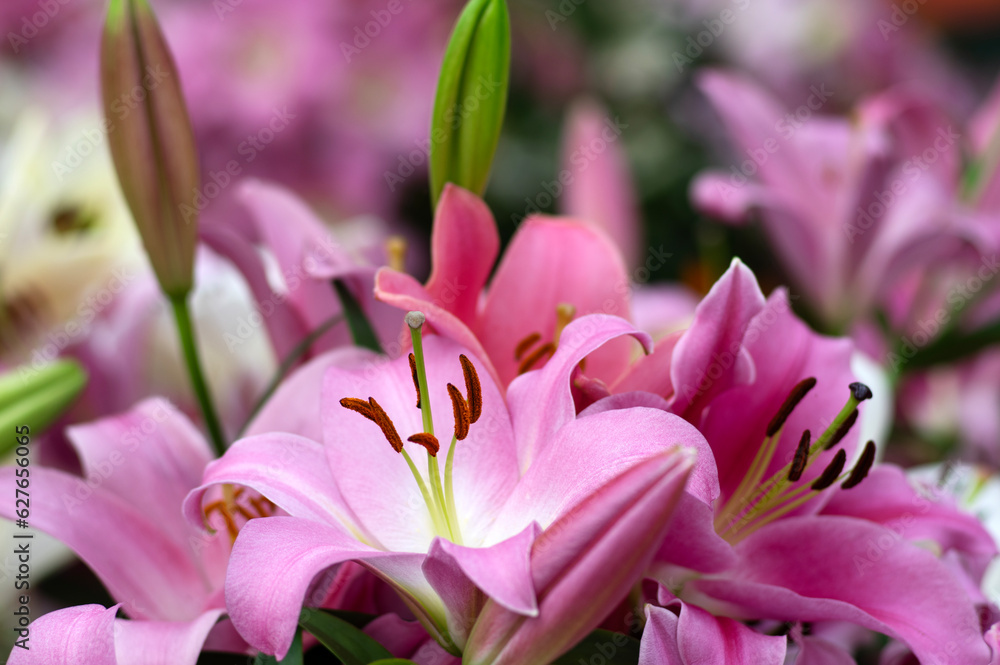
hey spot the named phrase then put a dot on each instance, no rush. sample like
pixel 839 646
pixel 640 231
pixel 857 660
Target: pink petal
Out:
pixel 304 249
pixel 463 575
pixel 695 637
pixel 784 351
pixel 140 563
pixel 162 642
pixel 585 563
pixel 586 454
pixel 291 471
pixel 709 357
pixel 817 651
pixel 886 497
pixel 284 325
pixel 542 401
pixel 845 569
pixel 405 293
pixel 464 245
pixel 375 480
pixel 599 191
pixel 275 562
pixel 82 634
pixel 692 543
pixel 549 262
pixel 149 457
pixel 295 406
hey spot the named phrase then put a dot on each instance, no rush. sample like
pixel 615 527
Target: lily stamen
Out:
pixel 756 503
pixel 228 508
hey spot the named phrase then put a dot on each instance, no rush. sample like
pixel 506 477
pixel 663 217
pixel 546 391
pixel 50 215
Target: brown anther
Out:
pixel 801 457
pixel 862 468
pixel 461 411
pixel 416 381
pixel 842 431
pixel 832 472
pixel 794 397
pixel 358 405
pixel 473 389
pixel 536 355
pixel 381 419
pixel 428 441
pixel 525 344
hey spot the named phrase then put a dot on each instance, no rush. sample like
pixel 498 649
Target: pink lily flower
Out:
pixel 554 270
pixel 500 563
pixel 851 207
pixel 300 298
pixel 782 539
pixel 122 519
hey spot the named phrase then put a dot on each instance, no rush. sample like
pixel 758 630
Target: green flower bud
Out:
pixel 471 98
pixel 37 397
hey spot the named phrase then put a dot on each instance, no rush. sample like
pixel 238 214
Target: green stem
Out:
pixel 449 492
pixel 286 366
pixel 185 329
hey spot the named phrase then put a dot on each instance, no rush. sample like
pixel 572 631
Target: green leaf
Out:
pixel 346 642
pixel 613 649
pixel 392 661
pixel 471 98
pixel 36 397
pixel 361 330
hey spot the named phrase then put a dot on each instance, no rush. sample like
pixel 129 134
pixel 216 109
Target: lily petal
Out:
pixel 82 634
pixel 295 406
pixel 543 400
pixel 549 262
pixel 886 497
pixel 162 642
pixel 464 245
pixel 577 585
pixel 138 562
pixel 150 457
pixel 461 575
pixel 291 471
pixel 688 635
pixel 840 568
pixel 276 560
pixel 715 339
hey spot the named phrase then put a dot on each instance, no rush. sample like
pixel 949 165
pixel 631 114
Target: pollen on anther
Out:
pixel 800 390
pixel 416 381
pixel 381 419
pixel 473 389
pixel 461 411
pixel 842 431
pixel 862 468
pixel 832 472
pixel 801 457
pixel 428 441
pixel 360 406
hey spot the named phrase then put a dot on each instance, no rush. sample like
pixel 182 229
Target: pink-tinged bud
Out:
pixel 151 141
pixel 624 523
